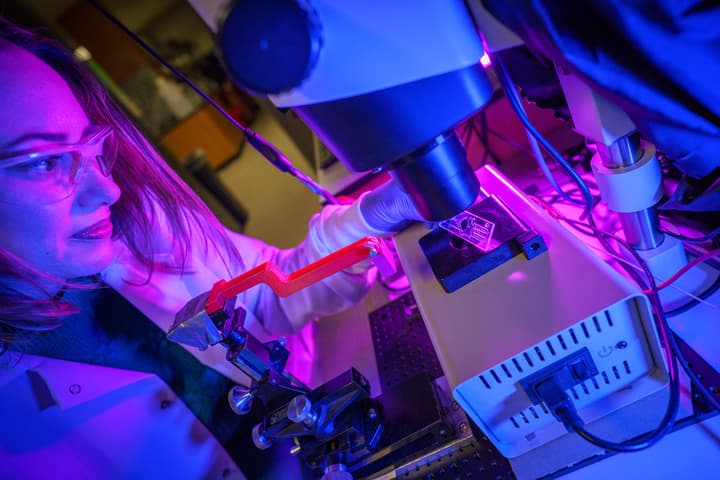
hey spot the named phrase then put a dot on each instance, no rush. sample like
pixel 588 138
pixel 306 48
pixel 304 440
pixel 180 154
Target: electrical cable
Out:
pixel 704 295
pixel 671 353
pixel 657 307
pixel 271 153
pixel 707 293
pixel 516 104
pixel 510 141
pixel 685 268
pixel 537 153
pixel 668 340
pixel 705 238
pixel 485 139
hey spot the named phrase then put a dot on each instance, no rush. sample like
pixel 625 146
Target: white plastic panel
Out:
pixel 618 343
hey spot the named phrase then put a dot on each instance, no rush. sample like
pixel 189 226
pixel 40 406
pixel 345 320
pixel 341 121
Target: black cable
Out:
pixel 485 139
pixel 671 351
pixel 670 344
pixel 650 438
pixel 660 315
pixel 261 145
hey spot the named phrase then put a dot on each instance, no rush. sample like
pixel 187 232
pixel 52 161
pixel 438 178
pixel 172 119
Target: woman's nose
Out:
pixel 94 188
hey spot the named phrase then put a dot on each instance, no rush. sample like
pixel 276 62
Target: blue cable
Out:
pixel 516 104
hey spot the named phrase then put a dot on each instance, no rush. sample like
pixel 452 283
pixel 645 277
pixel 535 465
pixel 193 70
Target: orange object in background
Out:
pixel 208 130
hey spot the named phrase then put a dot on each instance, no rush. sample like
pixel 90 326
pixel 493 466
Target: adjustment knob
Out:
pixel 259 439
pixel 240 400
pixel 300 410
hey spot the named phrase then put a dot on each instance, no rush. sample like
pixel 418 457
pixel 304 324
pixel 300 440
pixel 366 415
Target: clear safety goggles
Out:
pixel 51 172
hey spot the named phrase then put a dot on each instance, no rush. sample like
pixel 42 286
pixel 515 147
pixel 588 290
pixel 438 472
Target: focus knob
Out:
pixel 270 46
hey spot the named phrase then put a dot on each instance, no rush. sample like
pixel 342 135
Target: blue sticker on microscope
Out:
pixel 475 230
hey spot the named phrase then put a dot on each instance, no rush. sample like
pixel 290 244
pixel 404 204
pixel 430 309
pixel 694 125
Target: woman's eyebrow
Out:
pixel 54 137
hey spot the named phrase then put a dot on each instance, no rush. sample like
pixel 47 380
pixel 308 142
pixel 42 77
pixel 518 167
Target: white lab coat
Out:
pixel 61 419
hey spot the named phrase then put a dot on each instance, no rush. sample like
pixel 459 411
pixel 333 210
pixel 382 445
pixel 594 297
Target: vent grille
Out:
pixel 550 349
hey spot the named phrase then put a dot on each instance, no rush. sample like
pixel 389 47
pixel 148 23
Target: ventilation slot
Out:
pixel 495 376
pixel 561 341
pixel 574 394
pixel 485 382
pixel 529 416
pixel 585 330
pixel 506 370
pixel 539 354
pixel 550 347
pixel 517 365
pixel 607 379
pixel 527 359
pixel 608 318
pixel 597 324
pixel 573 336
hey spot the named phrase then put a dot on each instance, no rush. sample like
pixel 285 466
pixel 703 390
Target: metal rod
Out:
pixel 641 228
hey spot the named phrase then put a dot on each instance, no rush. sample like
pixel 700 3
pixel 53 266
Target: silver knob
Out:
pixel 240 400
pixel 300 410
pixel 259 439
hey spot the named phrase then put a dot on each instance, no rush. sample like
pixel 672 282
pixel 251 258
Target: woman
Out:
pixel 85 201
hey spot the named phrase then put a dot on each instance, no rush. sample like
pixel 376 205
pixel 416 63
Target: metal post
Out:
pixel 641 228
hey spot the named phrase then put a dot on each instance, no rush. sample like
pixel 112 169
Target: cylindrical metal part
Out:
pixel 240 400
pixel 641 229
pixel 624 152
pixel 259 439
pixel 438 178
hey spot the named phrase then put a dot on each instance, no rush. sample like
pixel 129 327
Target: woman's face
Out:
pixel 69 237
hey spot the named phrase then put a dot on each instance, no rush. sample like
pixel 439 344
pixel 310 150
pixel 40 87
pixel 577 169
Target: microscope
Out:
pixel 538 339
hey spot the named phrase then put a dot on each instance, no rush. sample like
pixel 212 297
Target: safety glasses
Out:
pixel 51 172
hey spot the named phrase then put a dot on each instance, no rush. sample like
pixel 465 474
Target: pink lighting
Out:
pixel 485 60
pixel 517 276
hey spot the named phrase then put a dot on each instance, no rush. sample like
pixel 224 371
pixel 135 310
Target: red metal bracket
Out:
pixel 284 285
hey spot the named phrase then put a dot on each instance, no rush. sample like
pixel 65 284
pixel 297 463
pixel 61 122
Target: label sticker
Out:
pixel 473 229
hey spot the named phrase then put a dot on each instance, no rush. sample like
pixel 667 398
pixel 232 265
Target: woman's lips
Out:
pixel 100 230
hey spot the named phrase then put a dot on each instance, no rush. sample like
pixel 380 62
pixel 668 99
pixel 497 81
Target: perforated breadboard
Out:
pixel 402 345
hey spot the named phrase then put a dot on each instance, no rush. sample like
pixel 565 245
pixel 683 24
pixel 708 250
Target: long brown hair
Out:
pixel 144 178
